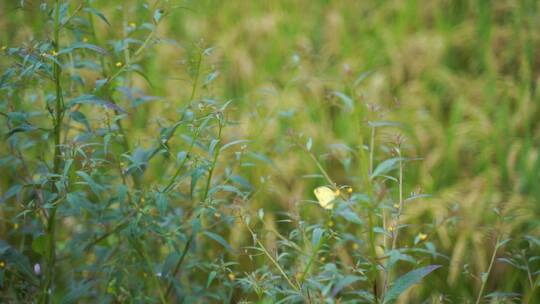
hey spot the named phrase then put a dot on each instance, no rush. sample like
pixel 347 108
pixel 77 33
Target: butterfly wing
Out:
pixel 325 196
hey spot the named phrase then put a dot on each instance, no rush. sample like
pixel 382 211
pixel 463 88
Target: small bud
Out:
pixel 132 24
pixel 85 39
pixel 37 269
pixel 349 190
pixel 355 246
pixel 338 192
pixel 322 259
pixel 4 48
pixel 54 53
pixel 2 264
pixel 15 226
pixel 422 236
pixel 396 206
pixel 231 276
pixel 118 64
pixel 331 224
pixel 391 228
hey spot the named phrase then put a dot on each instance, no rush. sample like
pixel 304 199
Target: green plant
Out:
pixel 118 221
pixel 167 151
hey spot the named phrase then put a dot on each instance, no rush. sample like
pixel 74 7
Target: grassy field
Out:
pixel 168 151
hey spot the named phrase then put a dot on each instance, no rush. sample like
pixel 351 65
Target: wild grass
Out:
pixel 167 151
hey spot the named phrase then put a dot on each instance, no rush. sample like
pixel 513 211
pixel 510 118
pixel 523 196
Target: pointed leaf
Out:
pixel 406 281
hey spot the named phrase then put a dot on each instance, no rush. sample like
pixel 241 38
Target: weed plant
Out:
pixel 143 164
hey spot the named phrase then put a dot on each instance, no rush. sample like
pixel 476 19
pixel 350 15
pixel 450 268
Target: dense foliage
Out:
pixel 168 151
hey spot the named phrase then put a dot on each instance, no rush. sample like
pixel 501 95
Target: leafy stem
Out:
pixel 57 130
pixel 204 197
pixel 485 275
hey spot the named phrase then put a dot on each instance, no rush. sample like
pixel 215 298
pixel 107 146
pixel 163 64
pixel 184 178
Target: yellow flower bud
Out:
pixel 118 64
pixel 2 264
pixel 422 236
pixel 231 276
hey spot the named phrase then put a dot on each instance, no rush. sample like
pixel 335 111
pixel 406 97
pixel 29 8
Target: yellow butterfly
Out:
pixel 326 196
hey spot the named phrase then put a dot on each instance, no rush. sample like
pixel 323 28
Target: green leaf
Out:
pixel 344 282
pixel 378 124
pixel 384 167
pixel 211 277
pixel 347 101
pixel 80 45
pixel 80 118
pixel 406 281
pixel 162 202
pixel 21 128
pixel 316 237
pixel 351 216
pixel 93 99
pixel 96 188
pixel 77 291
pixel 40 244
pixel 93 11
pixel 232 143
pixel 16 261
pixel 219 239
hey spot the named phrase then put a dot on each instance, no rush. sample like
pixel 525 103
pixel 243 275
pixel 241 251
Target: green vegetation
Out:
pixel 168 151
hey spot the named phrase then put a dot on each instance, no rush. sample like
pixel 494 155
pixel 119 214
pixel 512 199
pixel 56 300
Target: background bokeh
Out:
pixel 461 76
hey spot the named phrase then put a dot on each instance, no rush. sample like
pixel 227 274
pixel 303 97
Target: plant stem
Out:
pixel 280 269
pixel 491 262
pixel 57 121
pixel 371 150
pixel 178 264
pixel 193 90
pixel 395 233
pixel 205 196
pixel 400 209
pixel 371 214
pixel 155 280
pixel 530 294
pixel 196 81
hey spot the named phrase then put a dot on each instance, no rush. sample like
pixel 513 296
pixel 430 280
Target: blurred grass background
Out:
pixel 461 75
